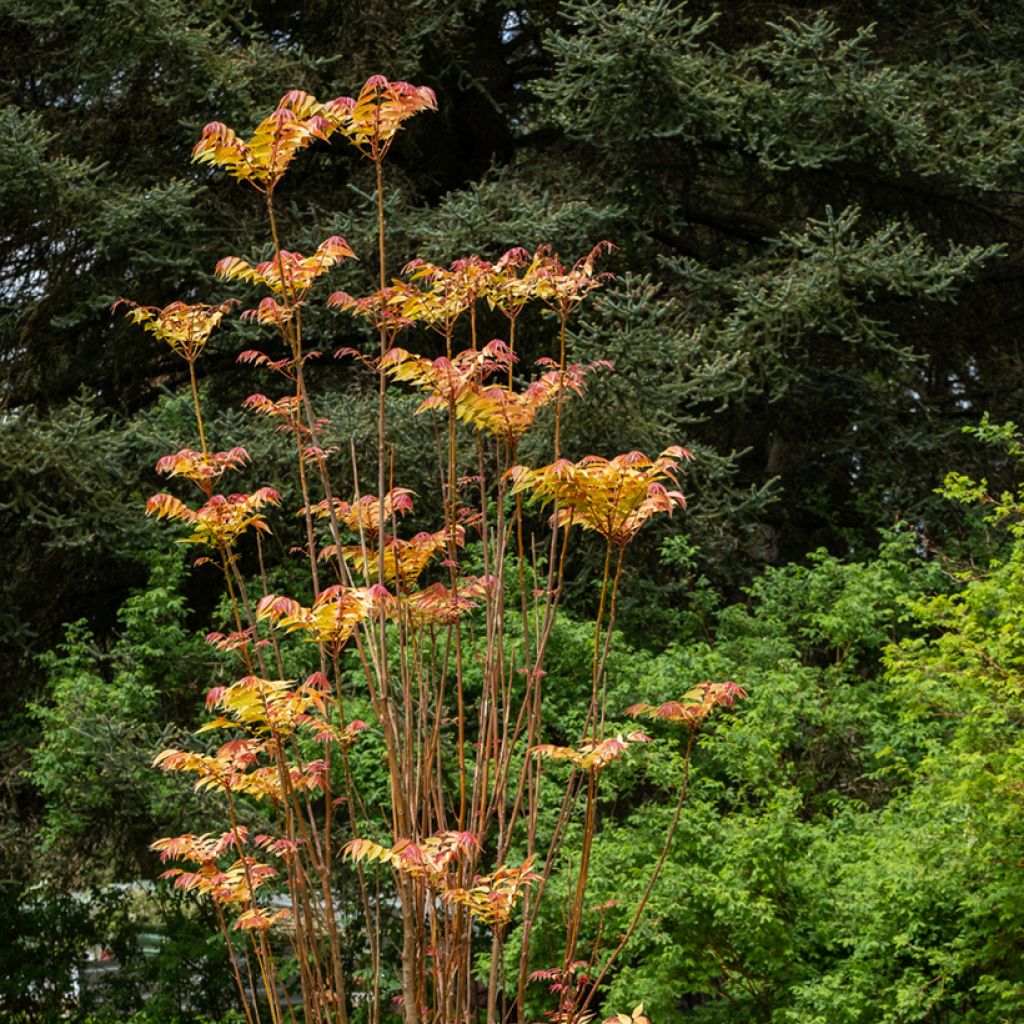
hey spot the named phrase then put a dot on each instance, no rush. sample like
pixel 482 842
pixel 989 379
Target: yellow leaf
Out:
pixel 216 723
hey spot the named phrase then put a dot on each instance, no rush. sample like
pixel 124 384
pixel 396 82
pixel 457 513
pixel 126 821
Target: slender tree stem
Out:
pixel 195 403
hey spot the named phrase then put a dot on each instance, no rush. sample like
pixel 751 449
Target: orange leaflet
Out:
pixel 695 705
pixel 507 285
pixel 270 705
pixel 233 886
pixel 233 768
pixel 290 275
pixel 545 277
pixel 333 616
pixel 365 513
pixel 429 859
pixel 222 520
pixel 491 898
pixel 450 292
pixel 196 466
pixel 186 329
pixel 371 120
pixel 199 849
pixel 636 1017
pixel 384 309
pixel 614 497
pixel 459 383
pixel 404 560
pixel 592 756
pixel 297 121
pixel 437 605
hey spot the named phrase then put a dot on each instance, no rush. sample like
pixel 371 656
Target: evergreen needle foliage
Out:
pixel 816 219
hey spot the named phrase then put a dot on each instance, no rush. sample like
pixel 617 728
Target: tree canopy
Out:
pixel 817 218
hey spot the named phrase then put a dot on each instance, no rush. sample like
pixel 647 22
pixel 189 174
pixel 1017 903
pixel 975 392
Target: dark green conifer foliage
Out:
pixel 819 220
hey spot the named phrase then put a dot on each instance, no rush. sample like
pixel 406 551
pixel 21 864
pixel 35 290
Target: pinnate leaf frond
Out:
pixel 614 497
pixel 298 120
pixel 371 120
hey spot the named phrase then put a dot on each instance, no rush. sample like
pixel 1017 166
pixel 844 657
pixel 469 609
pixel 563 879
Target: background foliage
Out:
pixel 818 219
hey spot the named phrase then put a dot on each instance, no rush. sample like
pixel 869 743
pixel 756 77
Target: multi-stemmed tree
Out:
pixel 448 630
